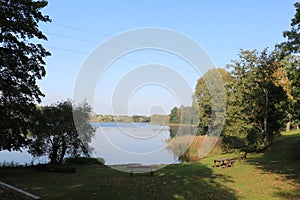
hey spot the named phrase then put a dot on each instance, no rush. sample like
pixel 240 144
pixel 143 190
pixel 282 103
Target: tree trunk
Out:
pixel 53 155
pixel 265 131
pixel 288 127
pixel 63 152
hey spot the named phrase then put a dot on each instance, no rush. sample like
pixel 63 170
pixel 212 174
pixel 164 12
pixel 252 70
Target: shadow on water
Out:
pixel 282 158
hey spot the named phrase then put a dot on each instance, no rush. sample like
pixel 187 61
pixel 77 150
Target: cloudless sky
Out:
pixel 222 28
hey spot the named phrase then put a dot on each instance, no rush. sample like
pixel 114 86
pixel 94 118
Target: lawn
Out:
pixel 273 174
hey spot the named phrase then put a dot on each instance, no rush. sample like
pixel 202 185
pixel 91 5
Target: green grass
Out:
pixel 273 174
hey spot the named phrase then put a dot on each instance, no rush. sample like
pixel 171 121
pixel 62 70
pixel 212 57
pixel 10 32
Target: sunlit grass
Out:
pixel 292 132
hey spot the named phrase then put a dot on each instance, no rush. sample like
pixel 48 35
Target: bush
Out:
pixel 84 161
pixel 232 142
pixel 254 141
pixel 56 168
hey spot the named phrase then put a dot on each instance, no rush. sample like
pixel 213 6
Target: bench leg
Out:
pixel 224 164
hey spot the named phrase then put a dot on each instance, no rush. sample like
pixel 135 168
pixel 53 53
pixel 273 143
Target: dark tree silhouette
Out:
pixel 21 64
pixel 57 133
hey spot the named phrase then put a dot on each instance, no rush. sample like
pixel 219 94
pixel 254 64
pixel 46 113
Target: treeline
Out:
pixel 153 119
pixel 184 115
pixel 120 118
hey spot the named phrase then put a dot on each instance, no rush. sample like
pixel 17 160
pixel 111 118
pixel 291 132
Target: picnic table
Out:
pixel 224 162
pixel 141 169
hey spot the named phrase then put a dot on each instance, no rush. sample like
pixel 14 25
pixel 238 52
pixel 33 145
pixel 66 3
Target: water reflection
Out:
pixel 176 131
pixel 123 143
pixel 132 143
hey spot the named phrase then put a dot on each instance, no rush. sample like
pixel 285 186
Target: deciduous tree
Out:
pixel 57 133
pixel 292 45
pixel 210 94
pixel 21 64
pixel 258 90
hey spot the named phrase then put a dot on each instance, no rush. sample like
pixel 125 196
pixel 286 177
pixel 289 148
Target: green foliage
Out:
pixel 254 140
pixel 141 118
pixel 289 51
pixel 182 130
pixel 230 142
pixel 210 95
pixel 187 115
pixel 175 115
pixel 21 64
pixel 256 95
pixel 292 45
pixel 292 103
pixel 158 119
pixel 61 130
pixel 122 118
pixel 102 118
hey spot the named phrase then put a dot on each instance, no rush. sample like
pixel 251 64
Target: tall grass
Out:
pixel 11 164
pixel 193 148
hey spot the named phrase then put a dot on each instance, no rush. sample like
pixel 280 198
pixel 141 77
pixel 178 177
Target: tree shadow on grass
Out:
pixel 282 158
pixel 193 181
pixel 184 181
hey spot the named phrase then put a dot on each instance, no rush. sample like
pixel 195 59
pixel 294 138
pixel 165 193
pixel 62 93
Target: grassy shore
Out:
pixel 274 174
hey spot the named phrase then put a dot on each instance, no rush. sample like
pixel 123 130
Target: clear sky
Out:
pixel 222 28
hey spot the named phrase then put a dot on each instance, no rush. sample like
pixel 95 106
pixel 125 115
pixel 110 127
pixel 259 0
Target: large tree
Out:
pixel 257 93
pixel 210 95
pixel 21 64
pixel 290 50
pixel 60 130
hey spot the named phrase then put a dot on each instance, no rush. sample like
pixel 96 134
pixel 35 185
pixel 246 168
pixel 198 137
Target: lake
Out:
pixel 119 143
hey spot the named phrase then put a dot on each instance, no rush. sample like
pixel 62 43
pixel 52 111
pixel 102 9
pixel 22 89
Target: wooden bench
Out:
pixel 220 161
pixel 140 169
pixel 230 162
pixel 224 162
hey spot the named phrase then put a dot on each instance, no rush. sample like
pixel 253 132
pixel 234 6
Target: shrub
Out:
pixel 84 161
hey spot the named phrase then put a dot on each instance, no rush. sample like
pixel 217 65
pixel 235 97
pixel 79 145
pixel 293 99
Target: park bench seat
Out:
pixel 224 162
pixel 140 169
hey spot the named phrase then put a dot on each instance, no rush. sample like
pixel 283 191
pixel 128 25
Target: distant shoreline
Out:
pixel 165 124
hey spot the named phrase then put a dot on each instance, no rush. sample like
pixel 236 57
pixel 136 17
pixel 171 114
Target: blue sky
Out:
pixel 222 28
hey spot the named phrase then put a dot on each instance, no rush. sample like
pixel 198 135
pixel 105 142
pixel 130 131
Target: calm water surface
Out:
pixel 119 143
